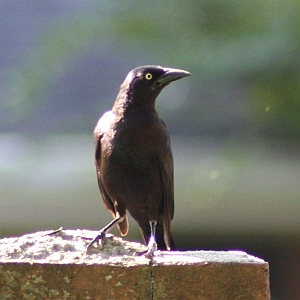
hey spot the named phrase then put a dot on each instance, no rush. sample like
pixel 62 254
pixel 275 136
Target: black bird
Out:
pixel 134 160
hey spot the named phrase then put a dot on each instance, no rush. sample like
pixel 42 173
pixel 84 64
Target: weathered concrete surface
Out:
pixel 42 266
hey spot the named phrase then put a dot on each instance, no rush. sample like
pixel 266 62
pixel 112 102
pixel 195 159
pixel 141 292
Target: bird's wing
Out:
pixel 167 175
pixel 101 127
pixel 166 169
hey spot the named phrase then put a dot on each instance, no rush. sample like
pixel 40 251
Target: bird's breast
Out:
pixel 132 152
pixel 134 142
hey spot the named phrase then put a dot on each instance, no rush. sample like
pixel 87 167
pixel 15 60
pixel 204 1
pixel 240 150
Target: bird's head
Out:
pixel 143 84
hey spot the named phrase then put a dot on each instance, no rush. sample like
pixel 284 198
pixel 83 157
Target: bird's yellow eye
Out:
pixel 148 76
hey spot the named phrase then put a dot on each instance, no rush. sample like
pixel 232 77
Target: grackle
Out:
pixel 134 160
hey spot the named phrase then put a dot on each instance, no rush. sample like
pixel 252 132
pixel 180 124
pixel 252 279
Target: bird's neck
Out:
pixel 130 101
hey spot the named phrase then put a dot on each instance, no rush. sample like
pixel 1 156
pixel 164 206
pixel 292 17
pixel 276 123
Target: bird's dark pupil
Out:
pixel 148 76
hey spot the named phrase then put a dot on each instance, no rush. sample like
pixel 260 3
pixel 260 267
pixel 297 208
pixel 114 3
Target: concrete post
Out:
pixel 43 266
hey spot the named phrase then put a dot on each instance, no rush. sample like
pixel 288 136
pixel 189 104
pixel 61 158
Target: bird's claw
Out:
pixel 152 246
pixel 55 231
pixel 99 239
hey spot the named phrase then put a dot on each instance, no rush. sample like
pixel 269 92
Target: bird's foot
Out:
pixel 152 246
pixel 99 239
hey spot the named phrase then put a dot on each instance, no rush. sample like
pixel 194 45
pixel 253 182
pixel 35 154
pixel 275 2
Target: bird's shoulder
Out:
pixel 105 123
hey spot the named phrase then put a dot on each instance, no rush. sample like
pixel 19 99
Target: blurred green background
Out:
pixel 234 123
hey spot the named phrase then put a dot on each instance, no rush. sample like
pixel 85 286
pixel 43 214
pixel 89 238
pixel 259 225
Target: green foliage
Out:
pixel 250 41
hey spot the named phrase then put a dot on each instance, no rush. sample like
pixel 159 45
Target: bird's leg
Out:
pixel 100 237
pixel 152 245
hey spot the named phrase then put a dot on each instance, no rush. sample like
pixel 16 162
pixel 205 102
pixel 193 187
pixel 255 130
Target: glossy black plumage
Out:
pixel 134 160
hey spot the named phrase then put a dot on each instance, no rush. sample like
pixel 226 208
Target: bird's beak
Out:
pixel 171 75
